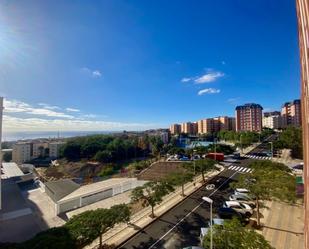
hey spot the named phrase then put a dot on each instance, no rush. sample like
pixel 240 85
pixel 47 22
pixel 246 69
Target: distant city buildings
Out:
pixel 175 129
pixel 26 151
pixel 249 117
pixel 291 113
pixel 204 126
pixel 272 120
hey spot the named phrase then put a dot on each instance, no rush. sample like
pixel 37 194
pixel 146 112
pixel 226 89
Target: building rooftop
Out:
pixel 10 170
pixel 61 188
pixel 249 105
pixel 95 187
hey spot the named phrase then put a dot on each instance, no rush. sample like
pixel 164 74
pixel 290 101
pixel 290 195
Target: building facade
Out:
pixel 54 149
pixel 291 113
pixel 249 117
pixel 22 152
pixel 175 129
pixel 272 120
pixel 303 33
pixel 189 128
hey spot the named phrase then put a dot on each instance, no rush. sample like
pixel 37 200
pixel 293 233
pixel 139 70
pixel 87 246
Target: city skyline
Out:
pixel 89 70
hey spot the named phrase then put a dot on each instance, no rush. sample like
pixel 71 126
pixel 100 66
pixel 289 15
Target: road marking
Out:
pixel 237 168
pixel 188 214
pixel 243 169
pixel 233 167
pixel 247 170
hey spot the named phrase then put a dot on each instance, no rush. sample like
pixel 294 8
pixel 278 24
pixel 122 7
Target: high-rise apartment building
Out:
pixel 210 125
pixel 291 113
pixel 272 120
pixel 189 128
pixel 175 129
pixel 303 33
pixel 249 117
pixel 54 148
pixel 22 152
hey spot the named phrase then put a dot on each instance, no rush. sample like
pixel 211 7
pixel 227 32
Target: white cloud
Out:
pixel 93 73
pixel 233 100
pixel 21 116
pixel 208 77
pixel 47 106
pixel 208 91
pixel 96 74
pixel 15 106
pixel 186 79
pixel 13 124
pixel 69 109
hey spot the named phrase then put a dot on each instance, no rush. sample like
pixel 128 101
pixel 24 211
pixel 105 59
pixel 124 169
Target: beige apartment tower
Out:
pixel 291 113
pixel 175 129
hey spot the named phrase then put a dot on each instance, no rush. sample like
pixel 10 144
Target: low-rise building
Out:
pixel 68 195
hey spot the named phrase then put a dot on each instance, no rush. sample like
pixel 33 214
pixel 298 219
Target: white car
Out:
pixel 243 198
pixel 241 191
pixel 242 208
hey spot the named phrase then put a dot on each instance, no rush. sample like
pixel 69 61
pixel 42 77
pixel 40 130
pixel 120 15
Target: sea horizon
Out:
pixel 25 135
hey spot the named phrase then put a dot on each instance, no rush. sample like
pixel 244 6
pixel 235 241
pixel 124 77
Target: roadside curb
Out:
pixel 118 242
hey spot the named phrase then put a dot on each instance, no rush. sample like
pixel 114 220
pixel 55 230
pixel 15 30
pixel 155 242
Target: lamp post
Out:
pixel 210 201
pixel 241 143
pixel 272 149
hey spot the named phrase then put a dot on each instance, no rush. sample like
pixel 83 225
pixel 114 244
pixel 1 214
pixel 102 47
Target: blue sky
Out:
pixel 114 65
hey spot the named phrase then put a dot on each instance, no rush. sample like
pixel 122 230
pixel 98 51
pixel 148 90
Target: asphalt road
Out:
pixel 265 146
pixel 180 226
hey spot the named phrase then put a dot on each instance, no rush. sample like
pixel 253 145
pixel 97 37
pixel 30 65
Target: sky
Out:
pixel 136 64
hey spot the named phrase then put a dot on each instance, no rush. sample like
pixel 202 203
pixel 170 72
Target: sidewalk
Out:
pixel 283 225
pixel 122 232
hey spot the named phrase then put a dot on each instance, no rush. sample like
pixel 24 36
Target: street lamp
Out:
pixel 210 201
pixel 241 143
pixel 272 149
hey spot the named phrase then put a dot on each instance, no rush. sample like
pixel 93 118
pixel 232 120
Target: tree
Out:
pixel 204 165
pixel 151 194
pixel 103 156
pixel 232 235
pixel 87 226
pixel 7 157
pixel 291 138
pixel 71 150
pixel 268 181
pixel 180 178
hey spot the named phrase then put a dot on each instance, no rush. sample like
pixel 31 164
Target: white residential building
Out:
pixel 22 152
pixel 54 148
pixel 272 122
pixel 39 149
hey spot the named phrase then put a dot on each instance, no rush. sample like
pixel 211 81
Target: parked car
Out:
pixel 241 191
pixel 243 198
pixel 229 213
pixel 242 208
pixel 204 230
pixel 184 158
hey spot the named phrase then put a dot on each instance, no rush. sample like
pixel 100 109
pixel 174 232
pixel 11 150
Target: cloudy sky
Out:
pixel 114 65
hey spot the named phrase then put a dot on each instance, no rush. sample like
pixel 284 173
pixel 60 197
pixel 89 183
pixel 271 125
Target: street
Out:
pixel 180 226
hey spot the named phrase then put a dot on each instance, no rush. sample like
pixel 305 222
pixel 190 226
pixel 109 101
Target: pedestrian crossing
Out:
pixel 240 169
pixel 258 157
